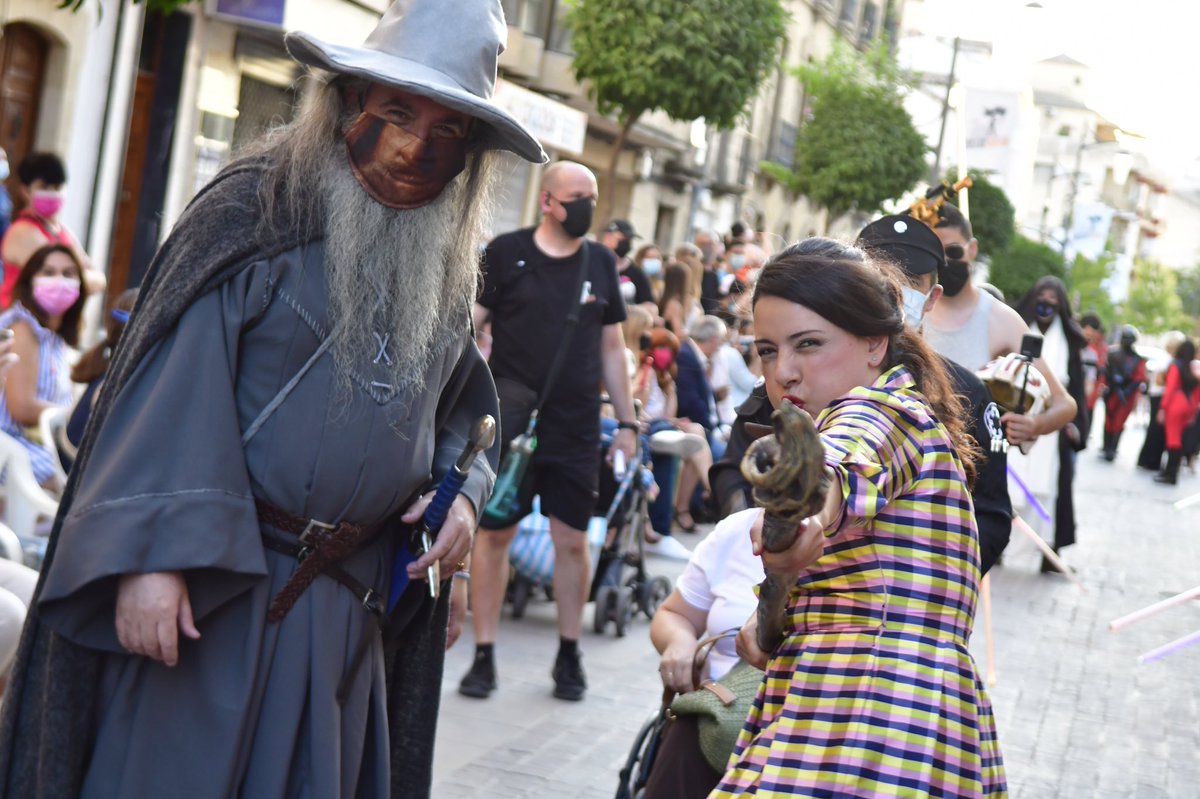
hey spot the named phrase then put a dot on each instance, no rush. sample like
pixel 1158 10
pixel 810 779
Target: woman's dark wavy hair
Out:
pixel 1185 353
pixel 68 330
pixel 863 297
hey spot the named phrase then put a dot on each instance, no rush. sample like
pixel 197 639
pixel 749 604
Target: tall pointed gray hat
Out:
pixel 446 51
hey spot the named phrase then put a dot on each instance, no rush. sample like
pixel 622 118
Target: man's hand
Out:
pixel 458 611
pixel 151 610
pixel 1020 427
pixel 676 666
pixel 747 645
pixel 806 550
pixel 453 540
pixel 626 441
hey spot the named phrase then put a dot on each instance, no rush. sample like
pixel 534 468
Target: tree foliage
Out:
pixel 687 58
pixel 1154 305
pixel 1189 291
pixel 993 219
pixel 859 147
pixel 1086 281
pixel 1016 269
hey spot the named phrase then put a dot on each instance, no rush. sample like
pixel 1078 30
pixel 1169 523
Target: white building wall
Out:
pixel 71 111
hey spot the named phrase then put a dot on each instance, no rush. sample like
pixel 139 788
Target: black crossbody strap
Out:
pixel 564 341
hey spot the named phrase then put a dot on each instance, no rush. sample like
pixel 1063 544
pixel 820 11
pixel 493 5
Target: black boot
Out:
pixel 1170 473
pixel 570 682
pixel 1110 447
pixel 480 681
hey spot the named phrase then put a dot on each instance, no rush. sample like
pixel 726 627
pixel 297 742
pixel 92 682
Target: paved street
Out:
pixel 1078 716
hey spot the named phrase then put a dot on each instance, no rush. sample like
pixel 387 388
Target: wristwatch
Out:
pixel 634 426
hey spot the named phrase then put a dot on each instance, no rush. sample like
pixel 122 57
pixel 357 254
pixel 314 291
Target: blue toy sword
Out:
pixel 482 436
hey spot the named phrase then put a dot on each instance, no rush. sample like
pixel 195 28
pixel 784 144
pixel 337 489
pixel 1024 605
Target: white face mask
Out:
pixel 652 266
pixel 914 306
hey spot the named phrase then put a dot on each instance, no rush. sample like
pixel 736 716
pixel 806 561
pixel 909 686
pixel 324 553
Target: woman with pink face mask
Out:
pixel 45 316
pixel 42 178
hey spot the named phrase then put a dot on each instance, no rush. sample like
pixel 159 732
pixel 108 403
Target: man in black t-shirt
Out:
pixel 618 236
pixel 530 280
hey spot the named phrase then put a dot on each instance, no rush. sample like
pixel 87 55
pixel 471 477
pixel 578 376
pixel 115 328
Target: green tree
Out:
pixel 993 219
pixel 859 147
pixel 1154 305
pixel 1189 290
pixel 1086 279
pixel 1016 269
pixel 688 58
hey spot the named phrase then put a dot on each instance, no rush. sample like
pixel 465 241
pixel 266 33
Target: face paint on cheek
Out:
pixel 398 169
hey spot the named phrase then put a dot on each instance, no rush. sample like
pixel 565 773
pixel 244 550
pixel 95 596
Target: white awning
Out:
pixel 557 126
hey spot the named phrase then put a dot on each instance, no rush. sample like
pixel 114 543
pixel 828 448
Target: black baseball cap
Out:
pixel 623 227
pixel 906 240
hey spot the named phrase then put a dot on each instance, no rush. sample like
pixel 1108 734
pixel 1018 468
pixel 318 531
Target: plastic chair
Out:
pixel 53 426
pixel 24 500
pixel 10 545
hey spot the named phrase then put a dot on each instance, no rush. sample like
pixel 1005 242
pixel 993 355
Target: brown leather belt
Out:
pixel 320 546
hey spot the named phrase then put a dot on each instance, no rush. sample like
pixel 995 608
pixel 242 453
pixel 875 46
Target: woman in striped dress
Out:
pixel 44 318
pixel 872 692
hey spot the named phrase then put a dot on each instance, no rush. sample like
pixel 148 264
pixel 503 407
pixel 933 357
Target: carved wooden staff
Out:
pixel 787 473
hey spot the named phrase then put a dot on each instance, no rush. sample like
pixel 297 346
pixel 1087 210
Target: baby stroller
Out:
pixel 532 557
pixel 620 585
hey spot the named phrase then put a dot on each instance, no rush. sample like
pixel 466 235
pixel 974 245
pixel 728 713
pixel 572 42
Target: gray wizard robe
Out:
pixel 251 708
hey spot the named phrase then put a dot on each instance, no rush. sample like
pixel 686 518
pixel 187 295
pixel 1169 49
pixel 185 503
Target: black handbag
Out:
pixel 519 409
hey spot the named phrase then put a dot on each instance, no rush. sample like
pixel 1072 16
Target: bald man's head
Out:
pixel 568 197
pixel 566 173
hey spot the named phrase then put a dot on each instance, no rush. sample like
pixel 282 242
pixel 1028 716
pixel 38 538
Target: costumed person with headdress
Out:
pixel 1048 469
pixel 298 369
pixel 1124 382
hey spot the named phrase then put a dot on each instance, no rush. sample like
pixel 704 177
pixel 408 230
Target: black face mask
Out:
pixel 1045 311
pixel 623 248
pixel 954 276
pixel 579 216
pixel 644 342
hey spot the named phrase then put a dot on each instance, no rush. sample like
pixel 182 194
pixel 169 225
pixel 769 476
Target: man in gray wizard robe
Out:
pixel 300 360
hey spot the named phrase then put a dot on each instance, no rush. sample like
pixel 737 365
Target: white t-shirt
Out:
pixel 720 579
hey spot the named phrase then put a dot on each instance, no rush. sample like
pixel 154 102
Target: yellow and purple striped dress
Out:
pixel 873 692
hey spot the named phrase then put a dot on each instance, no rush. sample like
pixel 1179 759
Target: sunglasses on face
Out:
pixel 955 252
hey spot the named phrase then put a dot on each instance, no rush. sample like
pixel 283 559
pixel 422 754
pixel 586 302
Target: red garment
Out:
pixel 12 271
pixel 1178 408
pixel 1116 410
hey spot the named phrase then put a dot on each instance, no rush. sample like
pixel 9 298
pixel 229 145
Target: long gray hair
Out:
pixel 404 277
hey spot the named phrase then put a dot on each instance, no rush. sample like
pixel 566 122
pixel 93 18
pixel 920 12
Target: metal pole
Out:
pixel 1069 222
pixel 935 175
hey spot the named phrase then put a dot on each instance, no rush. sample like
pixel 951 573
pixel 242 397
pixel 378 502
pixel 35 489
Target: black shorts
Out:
pixel 567 491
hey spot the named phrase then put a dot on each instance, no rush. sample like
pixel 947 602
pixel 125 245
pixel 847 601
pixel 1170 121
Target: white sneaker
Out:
pixel 669 547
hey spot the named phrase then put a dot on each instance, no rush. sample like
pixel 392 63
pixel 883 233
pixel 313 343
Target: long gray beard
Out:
pixel 401 278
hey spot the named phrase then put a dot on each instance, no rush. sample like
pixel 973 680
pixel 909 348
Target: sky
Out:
pixel 1144 58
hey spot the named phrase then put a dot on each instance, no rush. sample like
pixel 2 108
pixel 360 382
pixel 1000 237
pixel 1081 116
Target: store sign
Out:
pixel 263 13
pixel 558 127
